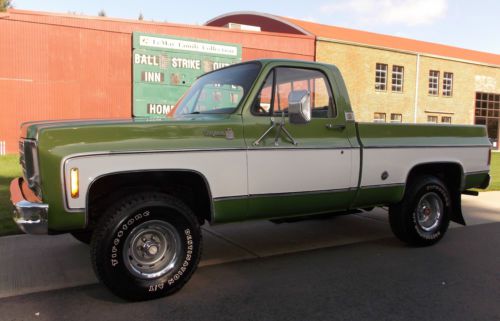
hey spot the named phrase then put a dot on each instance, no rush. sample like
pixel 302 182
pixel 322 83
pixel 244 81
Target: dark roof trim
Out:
pixel 278 20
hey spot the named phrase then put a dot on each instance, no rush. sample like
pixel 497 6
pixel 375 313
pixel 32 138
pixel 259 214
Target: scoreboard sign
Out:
pixel 164 67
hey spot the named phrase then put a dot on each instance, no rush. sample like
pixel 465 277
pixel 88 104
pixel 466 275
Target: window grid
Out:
pixel 448 84
pixel 397 78
pixel 432 119
pixel 379 118
pixel 381 77
pixel 433 82
pixel 487 105
pixel 446 119
pixel 396 118
pixel 488 113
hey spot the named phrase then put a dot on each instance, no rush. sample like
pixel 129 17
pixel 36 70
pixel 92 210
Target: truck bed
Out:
pixel 389 152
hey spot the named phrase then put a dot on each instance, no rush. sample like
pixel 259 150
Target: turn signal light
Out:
pixel 74 182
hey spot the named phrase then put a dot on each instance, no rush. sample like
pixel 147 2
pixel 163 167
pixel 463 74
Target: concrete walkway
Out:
pixel 39 263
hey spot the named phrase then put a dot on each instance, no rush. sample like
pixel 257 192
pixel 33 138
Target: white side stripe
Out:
pixel 226 171
pixel 399 161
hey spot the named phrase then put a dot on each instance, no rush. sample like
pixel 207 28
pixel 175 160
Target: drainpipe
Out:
pixel 415 107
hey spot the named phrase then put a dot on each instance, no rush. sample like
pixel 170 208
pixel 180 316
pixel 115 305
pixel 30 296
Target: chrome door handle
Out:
pixel 332 126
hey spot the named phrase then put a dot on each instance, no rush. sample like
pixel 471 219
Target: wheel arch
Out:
pixel 451 173
pixel 190 186
pixel 438 169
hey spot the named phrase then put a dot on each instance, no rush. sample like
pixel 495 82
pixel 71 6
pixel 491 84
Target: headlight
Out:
pixel 74 182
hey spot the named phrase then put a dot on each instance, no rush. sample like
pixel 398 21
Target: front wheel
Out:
pixel 147 246
pixel 423 216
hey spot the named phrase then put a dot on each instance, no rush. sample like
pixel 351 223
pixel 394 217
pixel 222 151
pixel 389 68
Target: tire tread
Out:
pixel 400 214
pixel 120 210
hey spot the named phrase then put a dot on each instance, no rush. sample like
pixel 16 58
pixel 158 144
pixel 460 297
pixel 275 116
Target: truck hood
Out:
pixel 114 135
pixel 31 130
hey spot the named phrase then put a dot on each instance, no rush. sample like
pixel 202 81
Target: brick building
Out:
pixel 393 79
pixel 61 66
pixel 64 66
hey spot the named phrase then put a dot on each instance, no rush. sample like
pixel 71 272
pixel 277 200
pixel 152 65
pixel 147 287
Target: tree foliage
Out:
pixel 5 4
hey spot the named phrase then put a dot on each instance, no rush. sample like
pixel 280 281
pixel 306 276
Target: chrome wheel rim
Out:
pixel 152 249
pixel 429 211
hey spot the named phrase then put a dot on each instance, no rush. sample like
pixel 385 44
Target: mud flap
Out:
pixel 456 213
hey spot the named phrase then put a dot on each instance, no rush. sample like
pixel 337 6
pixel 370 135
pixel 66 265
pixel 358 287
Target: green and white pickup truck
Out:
pixel 267 139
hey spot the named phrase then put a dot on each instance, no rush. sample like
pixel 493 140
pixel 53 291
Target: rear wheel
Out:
pixel 147 246
pixel 423 216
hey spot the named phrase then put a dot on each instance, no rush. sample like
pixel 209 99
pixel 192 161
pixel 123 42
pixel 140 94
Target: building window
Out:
pixel 433 82
pixel 396 118
pixel 381 77
pixel 487 105
pixel 446 119
pixel 488 114
pixel 432 119
pixel 379 118
pixel 447 84
pixel 397 78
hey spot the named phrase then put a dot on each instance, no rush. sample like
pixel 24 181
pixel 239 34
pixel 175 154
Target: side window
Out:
pixel 273 97
pixel 323 103
pixel 262 104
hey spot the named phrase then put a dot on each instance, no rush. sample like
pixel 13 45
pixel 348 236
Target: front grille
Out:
pixel 28 158
pixel 22 158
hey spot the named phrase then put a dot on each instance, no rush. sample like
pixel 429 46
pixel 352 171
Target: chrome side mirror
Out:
pixel 299 107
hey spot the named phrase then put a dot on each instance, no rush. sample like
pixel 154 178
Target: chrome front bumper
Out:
pixel 30 215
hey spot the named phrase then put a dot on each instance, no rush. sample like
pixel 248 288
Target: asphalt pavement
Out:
pixel 340 268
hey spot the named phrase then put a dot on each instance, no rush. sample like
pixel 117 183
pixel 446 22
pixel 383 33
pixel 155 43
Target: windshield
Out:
pixel 219 92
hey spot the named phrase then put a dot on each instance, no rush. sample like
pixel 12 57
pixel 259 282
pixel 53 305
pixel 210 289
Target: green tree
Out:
pixel 102 13
pixel 5 4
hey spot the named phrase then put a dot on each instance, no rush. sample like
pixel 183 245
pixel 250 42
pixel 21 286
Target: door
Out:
pixel 297 169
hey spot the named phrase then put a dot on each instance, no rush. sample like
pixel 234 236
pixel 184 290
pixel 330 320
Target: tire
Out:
pixel 82 236
pixel 423 216
pixel 146 246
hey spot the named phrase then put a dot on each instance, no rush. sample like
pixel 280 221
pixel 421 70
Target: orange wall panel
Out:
pixel 65 67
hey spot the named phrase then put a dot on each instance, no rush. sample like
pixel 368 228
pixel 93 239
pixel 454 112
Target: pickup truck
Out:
pixel 266 139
